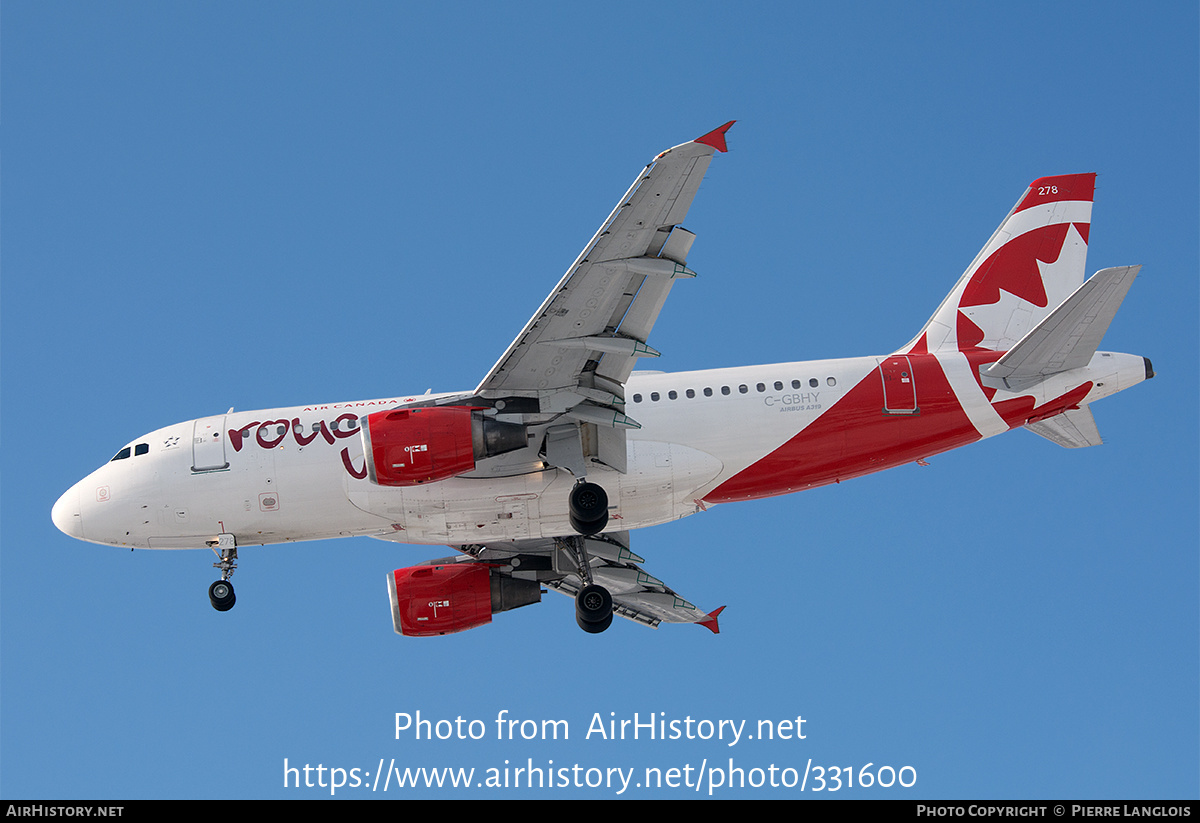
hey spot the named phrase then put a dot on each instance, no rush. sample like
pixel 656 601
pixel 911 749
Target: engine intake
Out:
pixel 407 447
pixel 453 597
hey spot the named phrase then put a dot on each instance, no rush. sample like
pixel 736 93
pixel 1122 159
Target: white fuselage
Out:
pixel 298 473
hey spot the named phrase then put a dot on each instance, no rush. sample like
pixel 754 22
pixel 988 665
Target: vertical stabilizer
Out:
pixel 1033 262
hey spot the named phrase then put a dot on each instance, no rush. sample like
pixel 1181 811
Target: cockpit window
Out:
pixel 121 455
pixel 141 448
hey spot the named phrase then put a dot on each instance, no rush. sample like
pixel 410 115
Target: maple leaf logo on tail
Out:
pixel 1034 261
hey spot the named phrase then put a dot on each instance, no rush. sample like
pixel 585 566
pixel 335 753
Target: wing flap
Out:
pixel 637 595
pixel 647 605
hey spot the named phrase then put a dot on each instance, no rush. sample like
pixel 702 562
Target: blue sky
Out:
pixel 214 204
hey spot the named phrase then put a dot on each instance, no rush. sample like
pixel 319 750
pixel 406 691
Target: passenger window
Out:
pixel 121 455
pixel 796 384
pixel 691 393
pixel 761 387
pixel 707 391
pixel 814 382
pixel 778 385
pixel 673 395
pixel 743 388
pixel 724 390
pixel 654 396
pixel 831 381
pixel 637 398
pixel 141 448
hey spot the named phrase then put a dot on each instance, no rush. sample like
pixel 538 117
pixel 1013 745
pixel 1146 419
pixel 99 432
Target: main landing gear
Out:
pixel 593 603
pixel 593 609
pixel 588 507
pixel 220 593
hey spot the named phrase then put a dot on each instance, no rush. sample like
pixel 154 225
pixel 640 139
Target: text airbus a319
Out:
pixel 538 476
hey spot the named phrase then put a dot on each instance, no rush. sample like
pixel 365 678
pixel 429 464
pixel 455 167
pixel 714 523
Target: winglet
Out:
pixel 716 137
pixel 711 622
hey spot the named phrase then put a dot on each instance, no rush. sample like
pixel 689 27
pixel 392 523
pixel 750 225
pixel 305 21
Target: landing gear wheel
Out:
pixel 593 609
pixel 588 506
pixel 220 594
pixel 594 628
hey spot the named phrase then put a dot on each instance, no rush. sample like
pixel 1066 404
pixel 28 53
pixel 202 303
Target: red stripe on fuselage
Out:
pixel 855 437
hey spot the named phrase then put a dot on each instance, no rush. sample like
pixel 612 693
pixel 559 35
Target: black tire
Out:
pixel 588 503
pixel 588 508
pixel 593 604
pixel 594 628
pixel 221 595
pixel 587 529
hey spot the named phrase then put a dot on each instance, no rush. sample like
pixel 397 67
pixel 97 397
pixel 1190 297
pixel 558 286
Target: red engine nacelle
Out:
pixel 443 598
pixel 406 447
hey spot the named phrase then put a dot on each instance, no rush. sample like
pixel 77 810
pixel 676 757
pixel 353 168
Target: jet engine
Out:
pixel 407 447
pixel 444 597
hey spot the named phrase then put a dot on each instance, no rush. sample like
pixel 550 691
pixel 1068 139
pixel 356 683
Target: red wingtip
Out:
pixel 711 622
pixel 716 137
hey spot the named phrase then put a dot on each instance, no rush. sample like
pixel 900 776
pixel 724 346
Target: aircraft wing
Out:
pixel 637 595
pixel 576 352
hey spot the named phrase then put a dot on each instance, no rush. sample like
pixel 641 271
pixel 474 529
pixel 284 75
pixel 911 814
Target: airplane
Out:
pixel 538 476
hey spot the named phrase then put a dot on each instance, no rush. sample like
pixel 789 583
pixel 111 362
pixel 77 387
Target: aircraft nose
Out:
pixel 65 513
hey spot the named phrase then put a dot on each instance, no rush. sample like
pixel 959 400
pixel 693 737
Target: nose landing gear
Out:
pixel 220 593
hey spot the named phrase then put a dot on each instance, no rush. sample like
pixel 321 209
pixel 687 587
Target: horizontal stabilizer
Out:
pixel 1073 429
pixel 1069 336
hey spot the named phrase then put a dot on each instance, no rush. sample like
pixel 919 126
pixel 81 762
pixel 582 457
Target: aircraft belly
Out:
pixel 661 483
pixel 658 487
pixel 458 509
